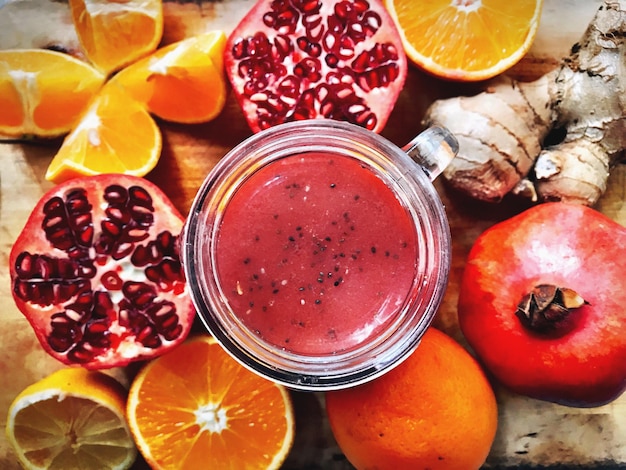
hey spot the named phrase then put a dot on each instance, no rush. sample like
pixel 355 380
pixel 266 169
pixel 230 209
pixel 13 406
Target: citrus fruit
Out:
pixel 43 92
pixel 196 407
pixel 73 418
pixel 466 40
pixel 182 82
pixel 115 33
pixel 435 410
pixel 114 135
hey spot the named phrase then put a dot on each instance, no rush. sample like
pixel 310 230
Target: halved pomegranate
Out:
pixel 97 274
pixel 301 59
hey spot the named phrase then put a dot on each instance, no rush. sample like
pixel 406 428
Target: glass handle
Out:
pixel 433 149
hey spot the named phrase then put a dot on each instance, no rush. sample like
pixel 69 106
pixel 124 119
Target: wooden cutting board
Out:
pixel 531 433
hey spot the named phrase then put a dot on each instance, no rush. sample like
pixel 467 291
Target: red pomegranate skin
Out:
pixel 96 272
pixel 307 59
pixel 581 361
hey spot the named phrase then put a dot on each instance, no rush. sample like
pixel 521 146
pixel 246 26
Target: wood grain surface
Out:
pixel 530 434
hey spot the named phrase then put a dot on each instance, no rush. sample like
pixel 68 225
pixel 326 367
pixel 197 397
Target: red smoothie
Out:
pixel 316 254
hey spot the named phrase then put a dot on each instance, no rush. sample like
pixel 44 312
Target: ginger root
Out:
pixel 502 130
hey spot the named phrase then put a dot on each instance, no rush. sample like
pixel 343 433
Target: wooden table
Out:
pixel 531 433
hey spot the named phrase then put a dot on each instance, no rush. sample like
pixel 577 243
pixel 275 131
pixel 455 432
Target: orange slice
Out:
pixel 466 40
pixel 182 82
pixel 196 407
pixel 116 33
pixel 115 135
pixel 73 418
pixel 42 92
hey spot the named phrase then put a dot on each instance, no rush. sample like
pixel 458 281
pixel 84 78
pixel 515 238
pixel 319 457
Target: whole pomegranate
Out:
pixel 543 304
pixel 97 274
pixel 301 59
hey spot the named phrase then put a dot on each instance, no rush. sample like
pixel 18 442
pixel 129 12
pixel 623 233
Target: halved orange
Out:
pixel 73 418
pixel 196 407
pixel 182 82
pixel 114 33
pixel 43 92
pixel 466 40
pixel 115 135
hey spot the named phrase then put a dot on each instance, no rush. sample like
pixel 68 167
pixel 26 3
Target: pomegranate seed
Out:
pixel 115 194
pixel 148 337
pixel 371 23
pixel 314 27
pixel 111 281
pixel 111 228
pixel 240 49
pixel 141 197
pixel 82 353
pixel 308 7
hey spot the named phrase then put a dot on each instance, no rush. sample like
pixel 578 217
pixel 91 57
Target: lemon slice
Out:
pixel 71 419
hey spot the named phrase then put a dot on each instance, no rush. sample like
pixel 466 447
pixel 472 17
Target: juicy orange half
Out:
pixel 116 33
pixel 73 418
pixel 182 82
pixel 115 135
pixel 466 40
pixel 42 92
pixel 196 407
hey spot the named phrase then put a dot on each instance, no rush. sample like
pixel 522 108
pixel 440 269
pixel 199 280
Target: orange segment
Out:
pixel 466 39
pixel 183 82
pixel 72 418
pixel 43 92
pixel 115 135
pixel 196 407
pixel 116 33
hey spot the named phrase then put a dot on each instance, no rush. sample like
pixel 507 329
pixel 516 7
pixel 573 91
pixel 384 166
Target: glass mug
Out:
pixel 317 252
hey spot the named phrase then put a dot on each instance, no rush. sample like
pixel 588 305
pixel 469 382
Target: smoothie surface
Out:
pixel 315 253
